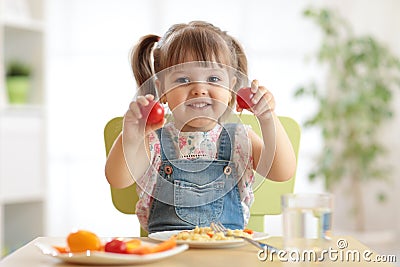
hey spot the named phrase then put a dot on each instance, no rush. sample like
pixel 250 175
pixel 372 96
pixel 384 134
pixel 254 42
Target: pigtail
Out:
pixel 241 64
pixel 240 57
pixel 141 59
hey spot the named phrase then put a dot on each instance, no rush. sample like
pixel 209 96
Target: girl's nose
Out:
pixel 199 90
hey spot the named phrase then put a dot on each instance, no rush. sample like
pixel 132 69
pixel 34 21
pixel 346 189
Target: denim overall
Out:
pixel 196 192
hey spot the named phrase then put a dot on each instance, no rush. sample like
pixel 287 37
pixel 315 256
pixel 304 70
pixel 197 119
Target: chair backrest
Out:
pixel 123 199
pixel 267 194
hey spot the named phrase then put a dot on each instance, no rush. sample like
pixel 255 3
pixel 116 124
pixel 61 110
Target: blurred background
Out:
pixel 52 152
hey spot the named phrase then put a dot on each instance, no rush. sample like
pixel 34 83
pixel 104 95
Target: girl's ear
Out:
pixel 233 82
pixel 163 98
pixel 232 97
pixel 158 85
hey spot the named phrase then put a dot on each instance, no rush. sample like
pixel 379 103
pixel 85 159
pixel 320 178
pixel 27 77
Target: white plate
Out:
pixel 165 235
pixel 106 258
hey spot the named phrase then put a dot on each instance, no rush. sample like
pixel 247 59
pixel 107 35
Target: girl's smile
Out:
pixel 199 103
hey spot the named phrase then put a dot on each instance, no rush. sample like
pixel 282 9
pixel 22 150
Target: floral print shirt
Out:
pixel 193 145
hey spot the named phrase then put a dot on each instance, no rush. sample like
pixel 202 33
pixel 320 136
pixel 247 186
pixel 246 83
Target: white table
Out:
pixel 247 255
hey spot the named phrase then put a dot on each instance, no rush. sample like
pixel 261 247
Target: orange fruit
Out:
pixel 83 240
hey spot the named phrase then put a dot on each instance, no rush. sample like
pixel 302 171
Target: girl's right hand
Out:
pixel 134 126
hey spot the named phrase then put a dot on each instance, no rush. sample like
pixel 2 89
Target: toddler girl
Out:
pixel 196 168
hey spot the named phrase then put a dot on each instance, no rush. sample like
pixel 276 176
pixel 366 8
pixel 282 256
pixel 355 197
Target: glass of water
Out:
pixel 307 221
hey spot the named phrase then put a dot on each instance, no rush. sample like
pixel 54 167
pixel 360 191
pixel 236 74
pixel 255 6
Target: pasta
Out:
pixel 207 234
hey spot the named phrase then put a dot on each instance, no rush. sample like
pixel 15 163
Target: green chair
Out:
pixel 267 194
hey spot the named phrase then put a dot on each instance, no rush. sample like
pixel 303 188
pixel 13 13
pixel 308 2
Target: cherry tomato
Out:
pixel 115 246
pixel 153 113
pixel 243 98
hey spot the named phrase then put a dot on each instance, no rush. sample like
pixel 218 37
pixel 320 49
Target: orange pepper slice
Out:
pixel 249 231
pixel 166 245
pixel 132 245
pixel 163 246
pixel 61 249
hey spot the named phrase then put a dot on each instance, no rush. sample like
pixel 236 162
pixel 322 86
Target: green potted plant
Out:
pixel 353 103
pixel 18 82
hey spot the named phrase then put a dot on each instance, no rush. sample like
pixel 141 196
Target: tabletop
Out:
pixel 344 250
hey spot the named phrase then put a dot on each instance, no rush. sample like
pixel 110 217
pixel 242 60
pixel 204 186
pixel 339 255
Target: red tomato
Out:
pixel 115 246
pixel 243 98
pixel 153 113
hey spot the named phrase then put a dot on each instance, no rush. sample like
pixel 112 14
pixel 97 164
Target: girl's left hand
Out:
pixel 264 101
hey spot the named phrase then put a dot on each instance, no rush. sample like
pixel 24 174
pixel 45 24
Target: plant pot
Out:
pixel 18 89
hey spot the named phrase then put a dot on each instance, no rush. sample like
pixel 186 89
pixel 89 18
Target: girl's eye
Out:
pixel 213 79
pixel 183 80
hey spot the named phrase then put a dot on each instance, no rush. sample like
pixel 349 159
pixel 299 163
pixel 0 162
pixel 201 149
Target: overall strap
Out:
pixel 226 141
pixel 167 148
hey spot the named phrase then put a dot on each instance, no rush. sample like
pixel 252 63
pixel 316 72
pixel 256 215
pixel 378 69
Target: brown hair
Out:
pixel 202 40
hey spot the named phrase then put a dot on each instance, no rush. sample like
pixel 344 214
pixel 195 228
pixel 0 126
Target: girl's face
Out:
pixel 198 94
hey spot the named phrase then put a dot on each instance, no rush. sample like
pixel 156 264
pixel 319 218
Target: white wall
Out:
pixel 89 82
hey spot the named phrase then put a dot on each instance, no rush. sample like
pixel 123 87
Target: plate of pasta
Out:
pixel 204 237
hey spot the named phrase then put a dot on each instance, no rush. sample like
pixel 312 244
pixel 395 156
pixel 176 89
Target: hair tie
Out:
pixel 159 42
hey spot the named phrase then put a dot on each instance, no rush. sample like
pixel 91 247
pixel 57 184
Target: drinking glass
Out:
pixel 307 221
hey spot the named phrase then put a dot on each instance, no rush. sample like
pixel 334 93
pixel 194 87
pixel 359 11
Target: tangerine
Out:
pixel 83 240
